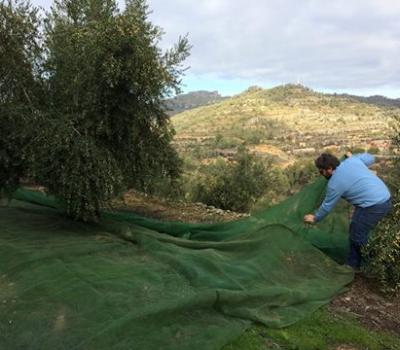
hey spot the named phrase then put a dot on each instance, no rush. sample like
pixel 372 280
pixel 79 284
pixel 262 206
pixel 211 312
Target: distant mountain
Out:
pixel 377 100
pixel 192 100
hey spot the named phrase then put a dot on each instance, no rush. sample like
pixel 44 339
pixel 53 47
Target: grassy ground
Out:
pixel 322 330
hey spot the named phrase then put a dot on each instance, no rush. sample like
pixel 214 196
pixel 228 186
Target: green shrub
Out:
pixel 276 191
pixel 233 185
pixel 251 136
pixel 383 251
pixel 224 142
pixel 299 174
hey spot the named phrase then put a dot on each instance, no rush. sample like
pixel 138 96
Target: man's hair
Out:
pixel 326 161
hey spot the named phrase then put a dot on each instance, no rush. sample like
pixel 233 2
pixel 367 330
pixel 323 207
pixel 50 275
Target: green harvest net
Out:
pixel 136 283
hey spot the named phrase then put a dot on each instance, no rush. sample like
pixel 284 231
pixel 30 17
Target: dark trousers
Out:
pixel 362 222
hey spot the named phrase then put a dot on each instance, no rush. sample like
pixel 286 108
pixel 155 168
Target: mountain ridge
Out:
pixel 191 100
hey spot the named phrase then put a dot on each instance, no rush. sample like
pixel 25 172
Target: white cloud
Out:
pixel 332 44
pixel 341 44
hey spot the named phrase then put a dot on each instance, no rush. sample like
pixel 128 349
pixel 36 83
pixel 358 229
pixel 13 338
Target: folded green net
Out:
pixel 135 283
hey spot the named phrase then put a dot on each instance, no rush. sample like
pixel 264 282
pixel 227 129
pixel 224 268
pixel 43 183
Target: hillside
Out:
pixel 285 122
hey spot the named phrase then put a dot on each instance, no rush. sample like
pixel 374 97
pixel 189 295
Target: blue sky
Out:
pixel 339 46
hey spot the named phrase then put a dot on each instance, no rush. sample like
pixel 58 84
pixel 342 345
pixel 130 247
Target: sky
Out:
pixel 344 46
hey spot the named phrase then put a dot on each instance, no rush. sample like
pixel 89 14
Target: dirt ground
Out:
pixel 369 306
pixel 174 211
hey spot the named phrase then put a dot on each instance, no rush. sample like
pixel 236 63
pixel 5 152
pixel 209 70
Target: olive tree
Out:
pixel 21 91
pixel 101 126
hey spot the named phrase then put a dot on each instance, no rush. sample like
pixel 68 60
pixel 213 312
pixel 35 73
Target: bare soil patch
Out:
pixel 365 302
pixel 157 208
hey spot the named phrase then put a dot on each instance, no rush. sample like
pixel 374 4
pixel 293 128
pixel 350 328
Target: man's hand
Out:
pixel 309 219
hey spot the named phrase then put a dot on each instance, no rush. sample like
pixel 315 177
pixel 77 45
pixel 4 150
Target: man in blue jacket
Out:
pixel 352 180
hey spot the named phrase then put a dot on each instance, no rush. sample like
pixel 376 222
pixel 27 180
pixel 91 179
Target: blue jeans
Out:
pixel 362 222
